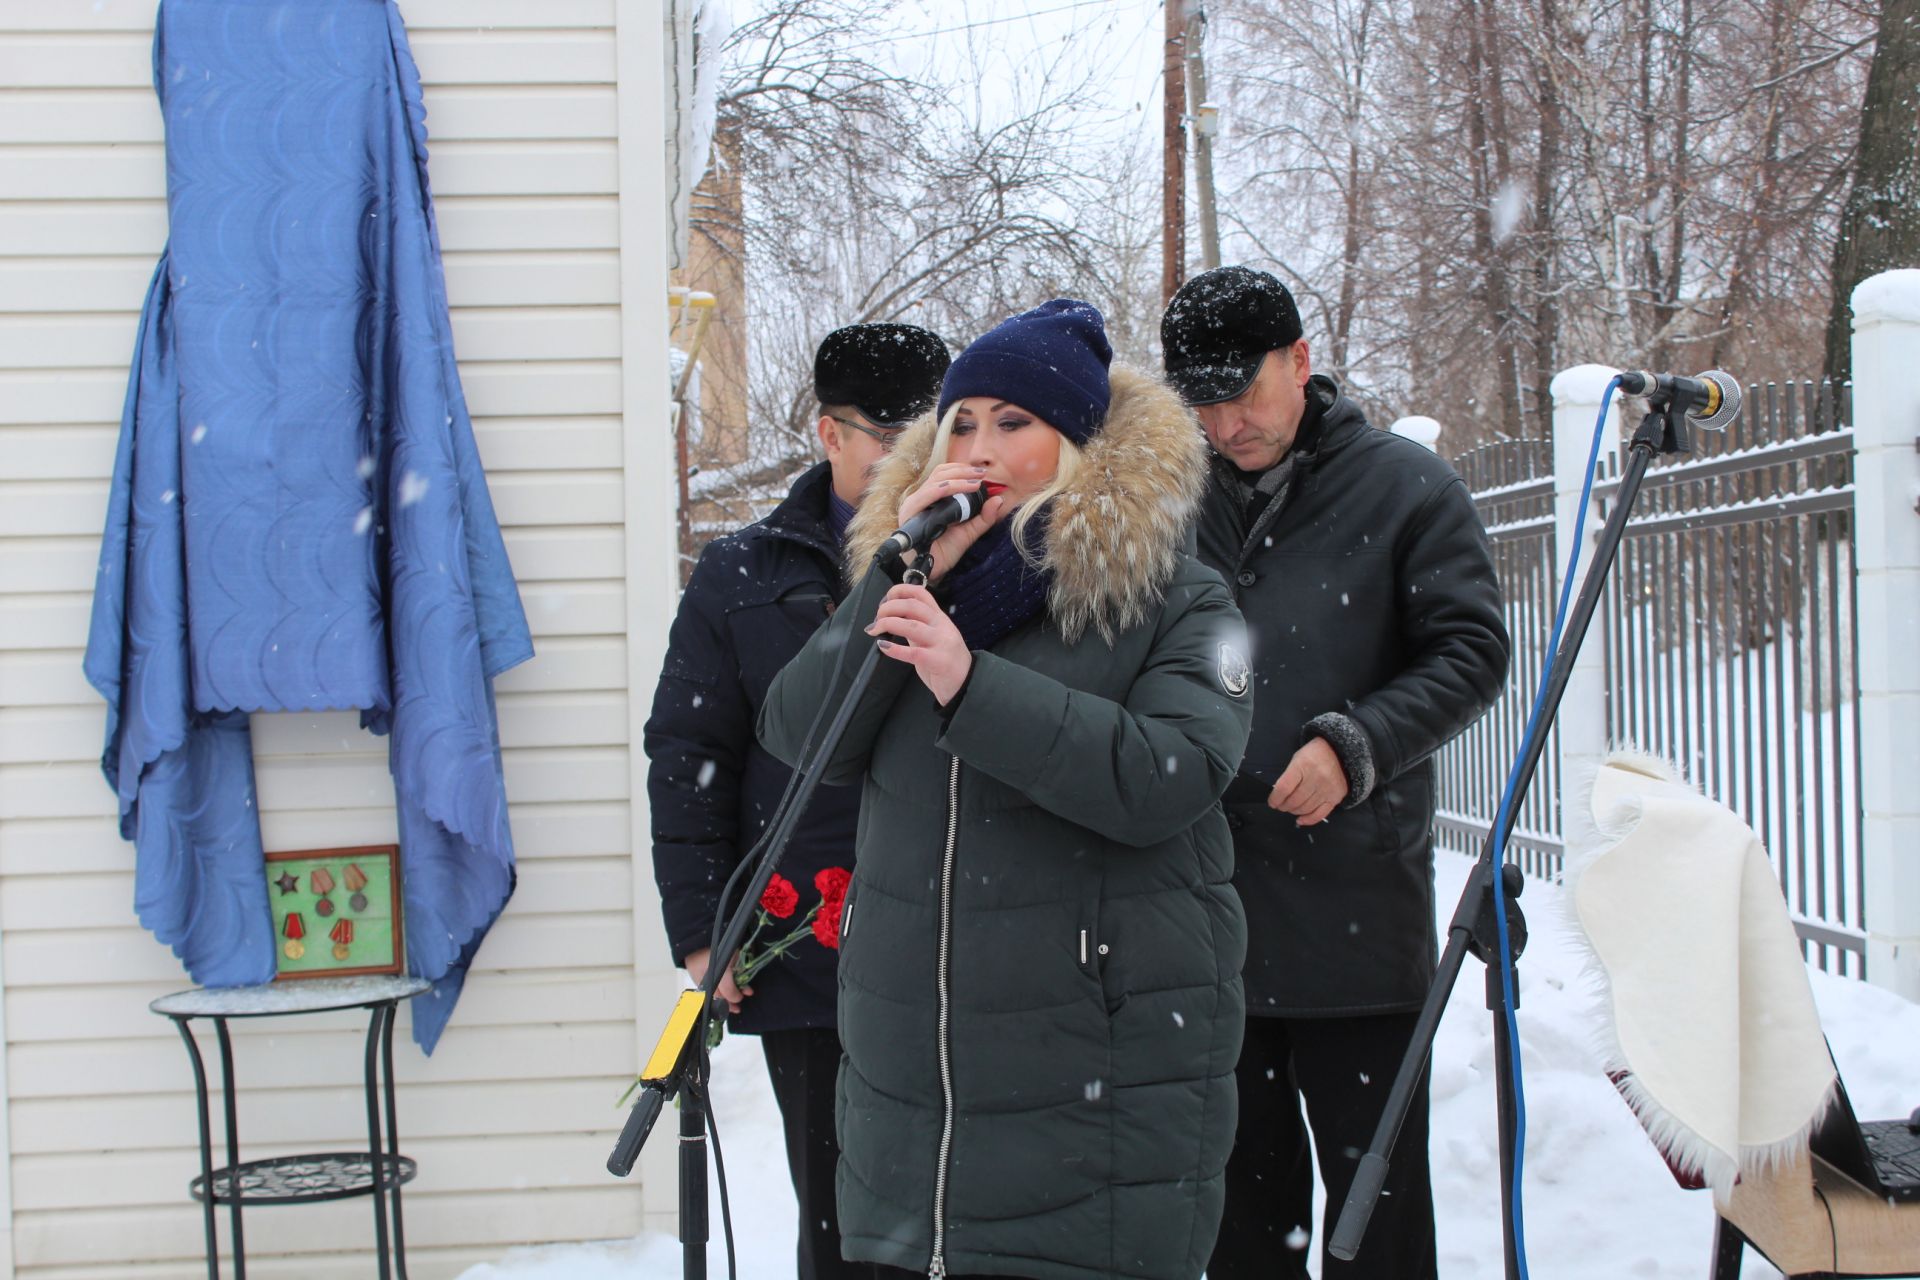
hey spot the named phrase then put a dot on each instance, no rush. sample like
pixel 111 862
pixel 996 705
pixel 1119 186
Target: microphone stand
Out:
pixel 677 1066
pixel 1474 928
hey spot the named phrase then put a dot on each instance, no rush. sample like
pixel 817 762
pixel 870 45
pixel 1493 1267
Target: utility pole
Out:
pixel 1206 123
pixel 1173 197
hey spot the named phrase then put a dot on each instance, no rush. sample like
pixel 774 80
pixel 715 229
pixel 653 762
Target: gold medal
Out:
pixel 342 936
pixel 295 929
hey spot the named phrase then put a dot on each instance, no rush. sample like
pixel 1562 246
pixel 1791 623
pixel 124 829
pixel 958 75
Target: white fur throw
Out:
pixel 1706 1005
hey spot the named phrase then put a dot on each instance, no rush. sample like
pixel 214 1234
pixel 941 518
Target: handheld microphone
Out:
pixel 1710 399
pixel 921 528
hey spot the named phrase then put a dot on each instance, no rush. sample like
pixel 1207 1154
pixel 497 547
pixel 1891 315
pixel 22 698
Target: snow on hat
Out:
pixel 1218 329
pixel 1051 361
pixel 889 372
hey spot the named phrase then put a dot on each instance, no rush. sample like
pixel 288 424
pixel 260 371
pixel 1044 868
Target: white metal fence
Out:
pixel 1760 628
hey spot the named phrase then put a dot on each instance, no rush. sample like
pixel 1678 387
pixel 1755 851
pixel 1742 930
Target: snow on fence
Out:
pixel 1727 640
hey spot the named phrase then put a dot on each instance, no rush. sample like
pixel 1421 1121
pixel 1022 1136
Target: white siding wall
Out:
pixel 512 1117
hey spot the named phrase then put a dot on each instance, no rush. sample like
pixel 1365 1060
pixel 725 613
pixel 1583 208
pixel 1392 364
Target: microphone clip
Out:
pixel 891 557
pixel 1667 429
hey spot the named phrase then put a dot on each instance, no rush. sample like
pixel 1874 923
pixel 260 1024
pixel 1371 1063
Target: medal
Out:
pixel 322 882
pixel 295 929
pixel 356 881
pixel 342 936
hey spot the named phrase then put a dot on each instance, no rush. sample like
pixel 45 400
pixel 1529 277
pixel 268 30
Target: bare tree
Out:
pixel 1880 227
pixel 1485 191
pixel 869 195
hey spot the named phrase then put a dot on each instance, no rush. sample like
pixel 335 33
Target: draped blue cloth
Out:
pixel 298 519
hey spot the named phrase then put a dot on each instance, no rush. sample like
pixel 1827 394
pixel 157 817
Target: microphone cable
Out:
pixel 1503 825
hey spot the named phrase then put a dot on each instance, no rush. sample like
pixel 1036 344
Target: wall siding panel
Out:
pixel 512 1117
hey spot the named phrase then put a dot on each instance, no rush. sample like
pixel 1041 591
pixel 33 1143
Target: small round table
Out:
pixel 333 1175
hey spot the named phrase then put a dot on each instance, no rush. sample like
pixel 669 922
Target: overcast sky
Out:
pixel 1119 41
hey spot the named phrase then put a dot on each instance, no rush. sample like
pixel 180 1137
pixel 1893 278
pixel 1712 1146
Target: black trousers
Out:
pixel 895 1273
pixel 802 1066
pixel 1343 1068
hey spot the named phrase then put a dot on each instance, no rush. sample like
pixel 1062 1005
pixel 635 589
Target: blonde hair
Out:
pixel 1072 459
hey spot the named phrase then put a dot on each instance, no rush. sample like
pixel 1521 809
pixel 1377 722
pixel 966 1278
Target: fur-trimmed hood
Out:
pixel 1114 536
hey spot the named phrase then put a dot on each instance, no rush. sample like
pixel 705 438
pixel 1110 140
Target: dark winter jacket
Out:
pixel 1375 621
pixel 1042 919
pixel 754 598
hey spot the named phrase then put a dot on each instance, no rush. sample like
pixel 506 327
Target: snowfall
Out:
pixel 1599 1203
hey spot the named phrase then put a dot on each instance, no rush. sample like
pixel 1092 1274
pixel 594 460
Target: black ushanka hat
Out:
pixel 889 372
pixel 1218 329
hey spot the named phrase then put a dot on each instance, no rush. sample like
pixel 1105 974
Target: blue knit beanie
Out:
pixel 1051 360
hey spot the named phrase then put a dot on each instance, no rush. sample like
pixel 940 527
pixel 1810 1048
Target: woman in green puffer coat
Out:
pixel 1040 954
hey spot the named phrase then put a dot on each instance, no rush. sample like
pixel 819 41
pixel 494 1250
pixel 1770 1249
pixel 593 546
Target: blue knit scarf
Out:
pixel 994 589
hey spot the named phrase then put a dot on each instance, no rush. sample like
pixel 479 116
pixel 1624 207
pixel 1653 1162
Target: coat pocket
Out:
pixel 1406 808
pixel 1093 955
pixel 846 915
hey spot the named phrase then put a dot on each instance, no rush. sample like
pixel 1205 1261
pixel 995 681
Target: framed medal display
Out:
pixel 336 912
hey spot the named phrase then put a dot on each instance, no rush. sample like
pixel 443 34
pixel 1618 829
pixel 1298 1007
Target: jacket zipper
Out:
pixel 937 1267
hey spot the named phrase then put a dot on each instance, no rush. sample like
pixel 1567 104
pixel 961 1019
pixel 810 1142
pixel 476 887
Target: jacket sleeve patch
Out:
pixel 1235 673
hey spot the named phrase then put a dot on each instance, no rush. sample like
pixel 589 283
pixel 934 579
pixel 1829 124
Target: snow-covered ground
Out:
pixel 1599 1203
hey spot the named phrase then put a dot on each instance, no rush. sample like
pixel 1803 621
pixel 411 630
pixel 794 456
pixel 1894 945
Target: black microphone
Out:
pixel 1711 399
pixel 921 528
pixel 634 1135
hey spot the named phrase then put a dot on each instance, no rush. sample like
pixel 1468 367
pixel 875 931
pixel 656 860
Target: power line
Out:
pixel 975 25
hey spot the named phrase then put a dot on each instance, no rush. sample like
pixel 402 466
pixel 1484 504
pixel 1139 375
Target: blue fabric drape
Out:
pixel 298 518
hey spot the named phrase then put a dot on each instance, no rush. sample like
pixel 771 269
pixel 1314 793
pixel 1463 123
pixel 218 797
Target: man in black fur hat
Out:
pixel 754 598
pixel 1377 634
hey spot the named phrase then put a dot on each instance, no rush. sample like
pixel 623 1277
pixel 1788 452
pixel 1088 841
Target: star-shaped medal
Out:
pixel 288 882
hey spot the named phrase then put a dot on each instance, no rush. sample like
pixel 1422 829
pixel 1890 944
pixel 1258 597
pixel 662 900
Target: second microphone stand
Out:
pixel 1474 928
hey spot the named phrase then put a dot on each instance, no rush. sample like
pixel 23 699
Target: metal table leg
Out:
pixel 206 1144
pixel 393 1141
pixel 231 1105
pixel 382 1020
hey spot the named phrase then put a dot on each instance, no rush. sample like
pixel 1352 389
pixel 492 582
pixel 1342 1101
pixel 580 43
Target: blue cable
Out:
pixel 1502 828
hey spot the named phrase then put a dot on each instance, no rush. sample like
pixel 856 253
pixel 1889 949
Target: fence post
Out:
pixel 1886 477
pixel 1421 430
pixel 1577 393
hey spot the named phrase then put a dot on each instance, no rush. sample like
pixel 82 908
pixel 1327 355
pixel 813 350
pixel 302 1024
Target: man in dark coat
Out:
pixel 1377 635
pixel 754 599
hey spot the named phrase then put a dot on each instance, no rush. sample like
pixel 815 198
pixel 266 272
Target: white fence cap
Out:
pixel 1891 295
pixel 1426 431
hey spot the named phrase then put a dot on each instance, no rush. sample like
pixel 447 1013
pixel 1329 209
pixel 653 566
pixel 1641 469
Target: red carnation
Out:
pixel 780 898
pixel 826 926
pixel 832 883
